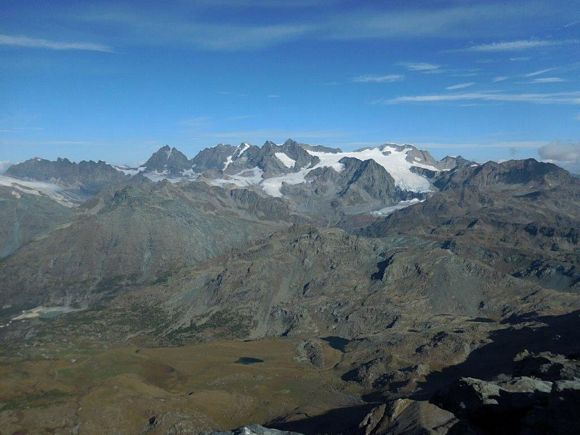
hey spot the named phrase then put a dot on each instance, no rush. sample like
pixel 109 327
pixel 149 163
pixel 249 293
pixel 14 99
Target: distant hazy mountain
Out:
pixel 87 176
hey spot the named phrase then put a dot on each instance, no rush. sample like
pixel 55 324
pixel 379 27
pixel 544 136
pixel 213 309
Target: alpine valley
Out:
pixel 290 288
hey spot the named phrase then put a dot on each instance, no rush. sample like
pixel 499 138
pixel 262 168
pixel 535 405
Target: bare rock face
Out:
pixel 547 366
pixel 212 158
pixel 311 351
pixel 405 416
pixel 253 429
pixel 520 404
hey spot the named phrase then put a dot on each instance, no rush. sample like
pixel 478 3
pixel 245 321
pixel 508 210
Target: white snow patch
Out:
pixel 243 148
pixel 128 170
pixel 388 210
pixel 38 188
pixel 189 174
pixel 236 154
pixel 228 162
pixel 248 177
pixel 157 176
pixel 45 312
pixel 287 161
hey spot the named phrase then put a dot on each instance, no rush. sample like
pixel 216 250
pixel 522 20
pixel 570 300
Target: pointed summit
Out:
pixel 168 160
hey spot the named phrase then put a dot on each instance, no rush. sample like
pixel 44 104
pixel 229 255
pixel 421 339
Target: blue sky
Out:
pixel 115 80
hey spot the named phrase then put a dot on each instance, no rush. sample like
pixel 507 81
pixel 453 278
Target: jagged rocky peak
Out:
pixel 213 158
pixel 270 159
pixel 169 161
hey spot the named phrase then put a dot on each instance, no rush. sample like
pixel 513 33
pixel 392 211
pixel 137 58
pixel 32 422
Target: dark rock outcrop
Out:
pixel 541 403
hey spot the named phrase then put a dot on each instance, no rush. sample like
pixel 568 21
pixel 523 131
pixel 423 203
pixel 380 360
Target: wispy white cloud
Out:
pixel 539 72
pixel 460 86
pixel 566 154
pixel 571 24
pixel 248 38
pixel 423 67
pixel 164 28
pixel 547 80
pixel 577 117
pixel 522 44
pixel 538 98
pixel 27 42
pixel 519 59
pixel 372 78
pixel 4 164
pixel 499 79
pixel 465 21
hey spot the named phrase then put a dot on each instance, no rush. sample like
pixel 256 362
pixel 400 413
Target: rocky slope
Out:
pixel 26 216
pixel 140 233
pixel 312 282
pixel 519 217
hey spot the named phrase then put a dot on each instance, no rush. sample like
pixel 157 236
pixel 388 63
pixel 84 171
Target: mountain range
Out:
pixel 404 266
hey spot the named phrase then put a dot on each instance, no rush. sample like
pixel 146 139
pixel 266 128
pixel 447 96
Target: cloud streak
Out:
pixel 536 98
pixel 522 44
pixel 27 42
pixel 460 86
pixel 540 72
pixel 542 80
pixel 372 78
pixel 162 26
pixel 423 67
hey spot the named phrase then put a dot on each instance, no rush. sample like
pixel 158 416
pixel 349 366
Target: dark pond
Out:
pixel 248 360
pixel 337 343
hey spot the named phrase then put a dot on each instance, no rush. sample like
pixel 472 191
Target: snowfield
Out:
pixel 394 161
pixel 37 188
pixel 287 161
